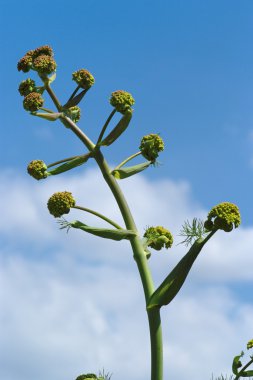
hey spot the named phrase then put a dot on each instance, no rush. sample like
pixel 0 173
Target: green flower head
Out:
pixel 158 237
pixel 225 216
pixel 26 87
pixel 83 78
pixel 150 146
pixel 74 113
pixel 60 203
pixel 43 50
pixel 121 100
pixel 250 344
pixel 44 64
pixel 33 102
pixel 37 169
pixel 88 376
pixel 25 63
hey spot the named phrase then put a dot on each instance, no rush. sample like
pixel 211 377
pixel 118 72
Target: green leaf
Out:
pixel 104 232
pixel 169 288
pixel 49 116
pixel 76 100
pixel 246 373
pixel 237 363
pixel 118 130
pixel 70 164
pixel 129 171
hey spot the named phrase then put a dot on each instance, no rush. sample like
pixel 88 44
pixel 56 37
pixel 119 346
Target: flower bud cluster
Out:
pixel 121 100
pixel 33 102
pixel 74 113
pixel 40 60
pixel 27 86
pixel 37 169
pixel 158 238
pixel 250 344
pixel 225 216
pixel 83 78
pixel 60 203
pixel 88 376
pixel 150 146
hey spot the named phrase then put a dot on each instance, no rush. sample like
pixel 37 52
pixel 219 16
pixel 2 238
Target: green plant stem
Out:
pixel 73 94
pixel 137 247
pixel 243 369
pixel 105 126
pixel 127 160
pixel 99 216
pixel 67 159
pixel 46 110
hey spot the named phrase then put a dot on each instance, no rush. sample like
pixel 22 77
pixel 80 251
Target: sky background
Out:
pixel 71 303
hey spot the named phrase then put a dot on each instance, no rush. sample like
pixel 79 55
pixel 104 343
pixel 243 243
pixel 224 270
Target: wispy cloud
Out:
pixel 74 303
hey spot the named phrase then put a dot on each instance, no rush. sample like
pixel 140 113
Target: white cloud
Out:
pixel 74 303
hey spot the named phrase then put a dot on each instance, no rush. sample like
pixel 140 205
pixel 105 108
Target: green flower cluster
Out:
pixel 250 344
pixel 150 146
pixel 83 78
pixel 40 60
pixel 225 216
pixel 121 100
pixel 88 376
pixel 158 238
pixel 60 203
pixel 74 113
pixel 26 87
pixel 37 169
pixel 33 102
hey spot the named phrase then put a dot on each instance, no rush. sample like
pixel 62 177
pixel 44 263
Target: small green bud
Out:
pixel 121 100
pixel 74 113
pixel 225 216
pixel 88 376
pixel 83 78
pixel 37 169
pixel 60 203
pixel 150 146
pixel 33 102
pixel 44 64
pixel 26 87
pixel 158 237
pixel 25 63
pixel 250 344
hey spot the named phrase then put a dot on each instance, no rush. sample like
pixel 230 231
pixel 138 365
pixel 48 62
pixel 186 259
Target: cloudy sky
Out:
pixel 71 303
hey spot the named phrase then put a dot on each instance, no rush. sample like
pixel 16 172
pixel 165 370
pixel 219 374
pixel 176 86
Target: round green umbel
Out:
pixel 88 376
pixel 250 344
pixel 60 203
pixel 37 169
pixel 33 102
pixel 42 50
pixel 44 64
pixel 225 216
pixel 158 238
pixel 151 145
pixel 25 63
pixel 83 78
pixel 27 86
pixel 121 100
pixel 74 113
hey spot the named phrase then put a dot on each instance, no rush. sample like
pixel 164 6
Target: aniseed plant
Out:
pixel 224 216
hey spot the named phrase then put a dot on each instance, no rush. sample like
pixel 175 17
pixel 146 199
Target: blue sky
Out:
pixel 188 65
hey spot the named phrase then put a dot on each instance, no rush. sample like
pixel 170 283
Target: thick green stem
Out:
pixel 137 247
